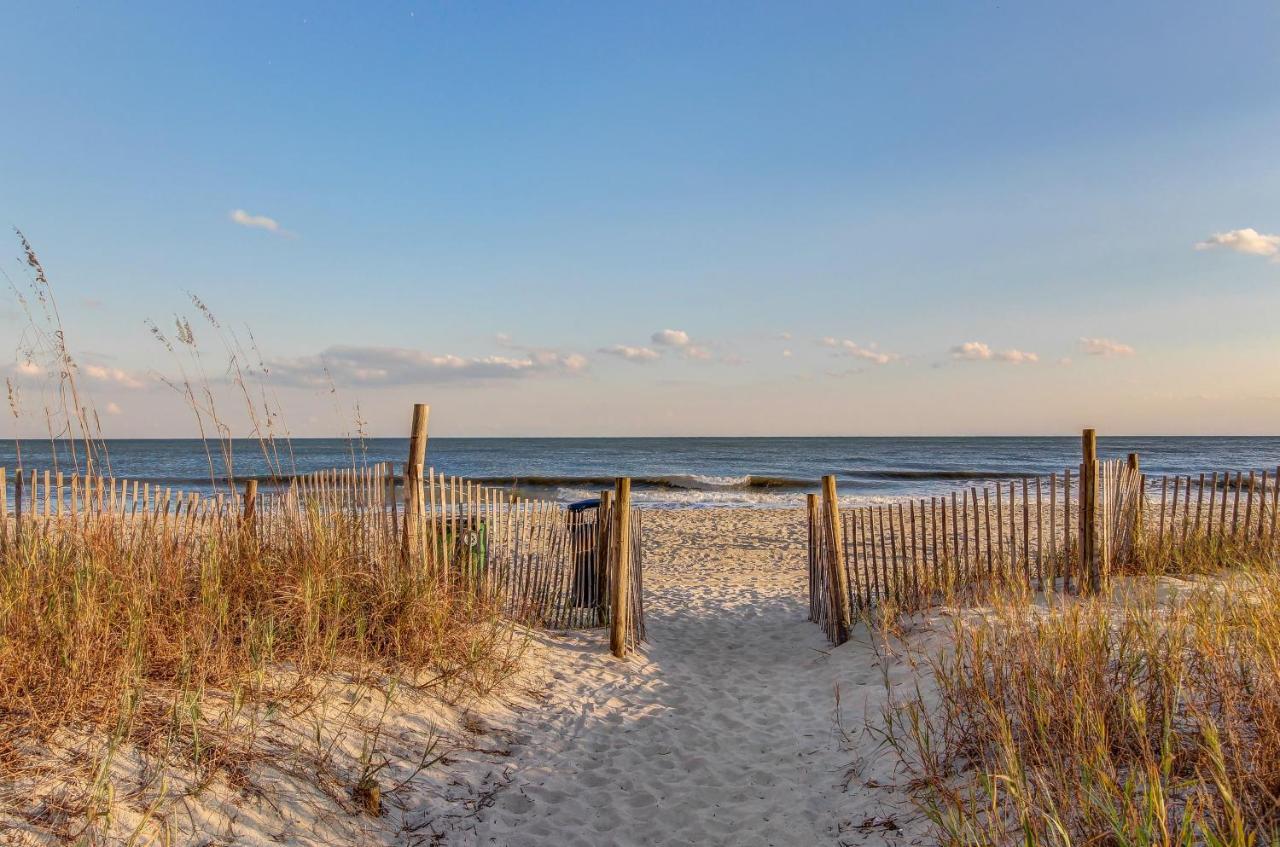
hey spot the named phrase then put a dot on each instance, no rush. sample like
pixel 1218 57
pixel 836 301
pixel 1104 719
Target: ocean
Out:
pixel 684 471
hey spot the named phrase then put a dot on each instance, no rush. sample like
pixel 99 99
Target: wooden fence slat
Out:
pixel 1248 509
pixel 1235 507
pixel 1173 508
pixel 1222 507
pixel 901 566
pixel 1026 532
pixel 960 558
pixel 986 517
pixel 868 520
pixel 1040 532
pixel 877 556
pixel 1199 506
pixel 1213 499
pixel 1067 549
pixel 870 582
pixel 1000 564
pixel 937 547
pixel 1262 508
pixel 1275 506
pixel 1164 497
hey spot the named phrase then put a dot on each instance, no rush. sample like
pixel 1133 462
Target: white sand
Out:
pixel 722 730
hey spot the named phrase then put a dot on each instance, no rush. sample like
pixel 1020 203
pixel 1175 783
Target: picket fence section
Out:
pixel 545 564
pixel 1030 531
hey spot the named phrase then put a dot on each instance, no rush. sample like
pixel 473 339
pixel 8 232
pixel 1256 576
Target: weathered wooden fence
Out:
pixel 1033 531
pixel 545 564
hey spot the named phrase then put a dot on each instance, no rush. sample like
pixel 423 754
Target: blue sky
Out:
pixel 473 204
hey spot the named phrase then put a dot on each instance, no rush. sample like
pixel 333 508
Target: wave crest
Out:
pixel 689 482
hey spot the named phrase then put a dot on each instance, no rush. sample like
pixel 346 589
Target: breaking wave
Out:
pixel 677 482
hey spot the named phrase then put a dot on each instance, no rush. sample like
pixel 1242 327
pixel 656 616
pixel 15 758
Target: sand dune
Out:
pixel 723 729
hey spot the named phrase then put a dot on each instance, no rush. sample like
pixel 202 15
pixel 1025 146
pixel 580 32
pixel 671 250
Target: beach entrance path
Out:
pixel 723 729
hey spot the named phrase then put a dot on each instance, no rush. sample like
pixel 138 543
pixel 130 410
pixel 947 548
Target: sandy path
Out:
pixel 724 730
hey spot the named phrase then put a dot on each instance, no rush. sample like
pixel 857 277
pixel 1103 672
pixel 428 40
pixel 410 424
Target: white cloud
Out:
pixel 632 354
pixel 971 350
pixel 557 361
pixel 1105 347
pixel 672 338
pixel 1065 361
pixel 1247 240
pixel 977 351
pixel 680 340
pixel 243 218
pixel 92 372
pixel 379 366
pixel 113 408
pixel 786 354
pixel 115 376
pixel 870 352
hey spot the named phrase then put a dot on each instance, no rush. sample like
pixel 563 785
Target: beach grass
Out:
pixel 121 629
pixel 127 634
pixel 1147 717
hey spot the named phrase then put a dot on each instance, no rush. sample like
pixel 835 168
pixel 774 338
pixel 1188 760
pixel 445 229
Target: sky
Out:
pixel 651 219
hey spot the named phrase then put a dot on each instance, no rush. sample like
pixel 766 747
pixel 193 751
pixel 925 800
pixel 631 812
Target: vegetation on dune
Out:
pixel 101 615
pixel 1151 717
pixel 175 639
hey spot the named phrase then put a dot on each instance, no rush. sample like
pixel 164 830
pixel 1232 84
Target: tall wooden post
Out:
pixel 1090 555
pixel 837 578
pixel 603 563
pixel 620 576
pixel 413 478
pixel 250 502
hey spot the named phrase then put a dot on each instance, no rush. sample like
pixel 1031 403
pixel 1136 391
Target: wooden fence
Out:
pixel 1030 531
pixel 545 564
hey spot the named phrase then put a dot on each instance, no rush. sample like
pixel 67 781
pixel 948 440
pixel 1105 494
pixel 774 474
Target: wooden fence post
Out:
pixel 413 478
pixel 1090 555
pixel 620 576
pixel 837 578
pixel 250 502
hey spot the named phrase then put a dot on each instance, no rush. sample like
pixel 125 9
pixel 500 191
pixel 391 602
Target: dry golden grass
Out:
pixel 120 629
pixel 133 638
pixel 96 612
pixel 1151 717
